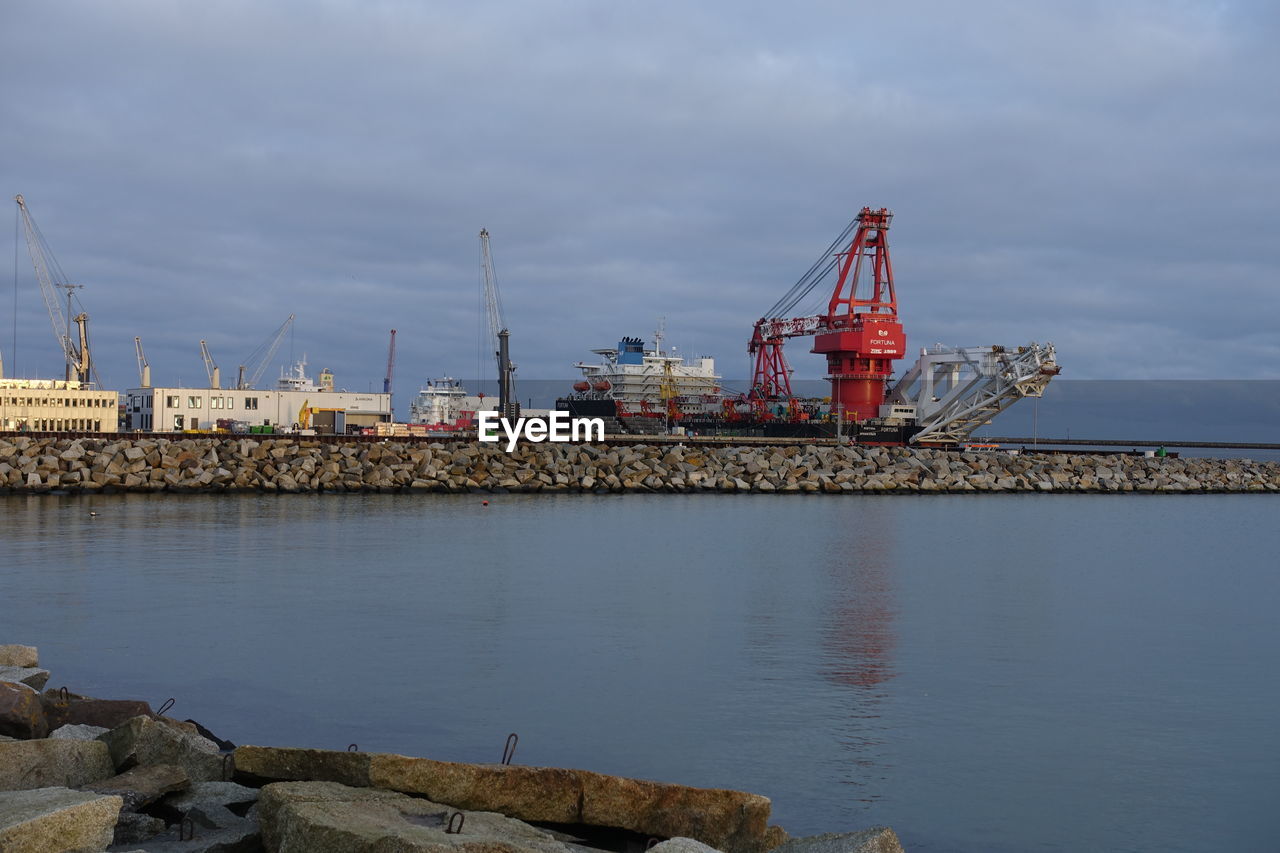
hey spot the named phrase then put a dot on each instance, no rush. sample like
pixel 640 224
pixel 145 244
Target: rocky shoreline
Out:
pixel 289 465
pixel 85 774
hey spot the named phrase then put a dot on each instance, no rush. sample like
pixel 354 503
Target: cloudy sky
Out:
pixel 1100 175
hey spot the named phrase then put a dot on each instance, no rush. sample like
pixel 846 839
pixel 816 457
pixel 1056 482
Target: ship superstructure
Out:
pixel 444 405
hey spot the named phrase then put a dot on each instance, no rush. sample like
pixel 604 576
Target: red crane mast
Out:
pixel 860 335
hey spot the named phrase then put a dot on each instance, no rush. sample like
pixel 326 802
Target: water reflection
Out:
pixel 858 637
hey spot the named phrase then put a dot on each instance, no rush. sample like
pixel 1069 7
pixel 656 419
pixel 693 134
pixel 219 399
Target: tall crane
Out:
pixel 50 277
pixel 391 364
pixel 257 361
pixel 498 333
pixel 210 368
pixel 859 333
pixel 144 369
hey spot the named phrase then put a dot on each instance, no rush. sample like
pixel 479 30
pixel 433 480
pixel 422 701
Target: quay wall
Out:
pixel 296 464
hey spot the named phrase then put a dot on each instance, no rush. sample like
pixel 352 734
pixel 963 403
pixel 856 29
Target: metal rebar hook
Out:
pixel 351 747
pixel 509 751
pixel 169 703
pixel 450 829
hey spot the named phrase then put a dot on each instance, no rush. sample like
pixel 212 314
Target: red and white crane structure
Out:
pixel 943 397
pixel 859 333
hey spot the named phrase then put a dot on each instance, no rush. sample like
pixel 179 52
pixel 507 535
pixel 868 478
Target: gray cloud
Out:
pixel 1101 175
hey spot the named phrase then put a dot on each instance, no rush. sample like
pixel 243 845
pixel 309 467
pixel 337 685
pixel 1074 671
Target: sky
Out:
pixel 1101 175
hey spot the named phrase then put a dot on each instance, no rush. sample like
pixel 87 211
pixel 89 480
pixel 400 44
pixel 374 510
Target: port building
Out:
pixel 56 405
pixel 295 404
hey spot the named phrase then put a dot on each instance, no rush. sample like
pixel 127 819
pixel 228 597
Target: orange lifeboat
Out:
pixel 601 385
pixel 581 386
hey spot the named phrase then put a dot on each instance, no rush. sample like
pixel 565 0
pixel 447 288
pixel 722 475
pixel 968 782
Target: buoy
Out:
pixel 484 503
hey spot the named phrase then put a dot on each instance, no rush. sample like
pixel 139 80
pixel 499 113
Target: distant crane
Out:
pixel 49 274
pixel 508 407
pixel 210 369
pixel 391 364
pixel 144 369
pixel 258 360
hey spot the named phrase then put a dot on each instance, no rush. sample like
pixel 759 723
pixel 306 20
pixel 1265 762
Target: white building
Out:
pixel 296 403
pixel 56 405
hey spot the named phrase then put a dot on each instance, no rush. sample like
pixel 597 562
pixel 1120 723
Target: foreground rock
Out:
pixel 28 764
pixel 24 656
pixel 21 712
pixel 85 711
pixel 56 820
pixel 731 821
pixel 143 740
pixel 143 785
pixel 32 676
pixel 326 817
pixel 878 839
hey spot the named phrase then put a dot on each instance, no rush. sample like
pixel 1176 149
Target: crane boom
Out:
pixel 259 359
pixel 498 332
pixel 391 364
pixel 210 368
pixel 144 369
pixel 50 276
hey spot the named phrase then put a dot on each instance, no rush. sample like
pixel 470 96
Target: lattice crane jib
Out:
pixel 50 277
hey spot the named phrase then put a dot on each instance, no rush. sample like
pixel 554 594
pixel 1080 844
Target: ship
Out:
pixel 444 406
pixel 632 379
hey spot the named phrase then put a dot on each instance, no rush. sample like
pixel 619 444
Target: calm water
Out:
pixel 995 673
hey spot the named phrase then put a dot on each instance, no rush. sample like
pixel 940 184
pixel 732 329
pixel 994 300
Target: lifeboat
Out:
pixel 581 386
pixel 601 385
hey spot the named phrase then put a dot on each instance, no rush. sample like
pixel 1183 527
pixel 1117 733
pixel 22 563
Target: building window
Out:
pixel 171 401
pixel 215 402
pixel 251 403
pixel 178 421
pixel 193 402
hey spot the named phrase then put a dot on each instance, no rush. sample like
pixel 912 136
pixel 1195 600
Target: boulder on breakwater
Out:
pixel 145 781
pixel 296 464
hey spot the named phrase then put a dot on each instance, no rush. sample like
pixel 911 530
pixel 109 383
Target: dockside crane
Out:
pixel 507 405
pixel 258 360
pixel 859 333
pixel 947 394
pixel 144 369
pixel 49 275
pixel 210 368
pixel 391 364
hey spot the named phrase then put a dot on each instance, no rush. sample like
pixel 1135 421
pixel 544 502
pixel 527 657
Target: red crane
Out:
pixel 859 334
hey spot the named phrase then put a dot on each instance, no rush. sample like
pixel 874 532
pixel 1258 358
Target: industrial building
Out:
pixel 296 403
pixel 56 405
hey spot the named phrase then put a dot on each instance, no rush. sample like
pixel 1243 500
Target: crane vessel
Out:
pixel 940 400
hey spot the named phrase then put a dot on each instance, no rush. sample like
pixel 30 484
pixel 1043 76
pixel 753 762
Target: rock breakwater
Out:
pixel 289 464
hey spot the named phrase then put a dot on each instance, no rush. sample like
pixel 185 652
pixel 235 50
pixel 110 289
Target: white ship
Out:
pixel 444 405
pixel 296 378
pixel 634 379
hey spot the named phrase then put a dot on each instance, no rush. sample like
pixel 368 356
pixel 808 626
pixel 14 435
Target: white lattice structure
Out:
pixel 955 390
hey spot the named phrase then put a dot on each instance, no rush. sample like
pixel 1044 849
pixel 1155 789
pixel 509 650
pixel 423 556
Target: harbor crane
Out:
pixel 252 367
pixel 144 368
pixel 947 394
pixel 210 368
pixel 507 405
pixel 391 364
pixel 860 335
pixel 49 274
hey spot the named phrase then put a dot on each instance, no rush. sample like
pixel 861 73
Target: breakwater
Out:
pixel 295 464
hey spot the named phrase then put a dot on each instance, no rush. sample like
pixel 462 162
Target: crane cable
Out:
pixel 821 268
